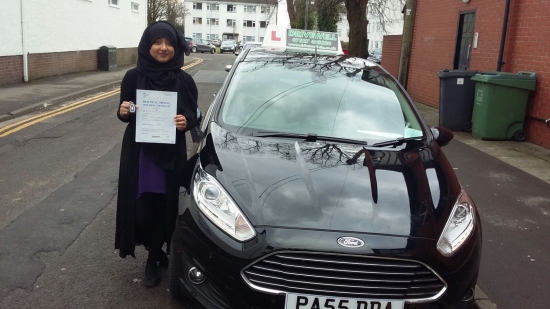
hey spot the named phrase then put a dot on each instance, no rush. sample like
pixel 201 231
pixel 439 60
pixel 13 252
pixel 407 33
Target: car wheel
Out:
pixel 175 270
pixel 520 135
pixel 193 49
pixel 212 51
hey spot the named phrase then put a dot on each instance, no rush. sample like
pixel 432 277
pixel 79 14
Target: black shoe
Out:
pixel 163 258
pixel 152 274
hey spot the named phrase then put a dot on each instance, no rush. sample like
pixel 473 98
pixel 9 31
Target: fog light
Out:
pixel 196 276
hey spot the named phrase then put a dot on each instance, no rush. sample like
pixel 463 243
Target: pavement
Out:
pixel 19 99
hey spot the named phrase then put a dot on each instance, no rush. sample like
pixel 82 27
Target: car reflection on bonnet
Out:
pixel 315 184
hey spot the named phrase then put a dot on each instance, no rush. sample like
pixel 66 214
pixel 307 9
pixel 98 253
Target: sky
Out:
pixel 282 18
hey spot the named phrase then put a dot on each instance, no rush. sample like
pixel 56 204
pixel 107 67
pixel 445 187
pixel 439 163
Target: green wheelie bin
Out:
pixel 500 104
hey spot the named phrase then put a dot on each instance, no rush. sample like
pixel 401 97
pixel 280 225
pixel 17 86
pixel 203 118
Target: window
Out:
pixel 339 32
pixel 197 6
pixel 264 24
pixel 343 94
pixel 249 9
pixel 212 36
pixel 248 39
pixel 197 20
pixel 113 2
pixel 212 6
pixel 249 23
pixel 197 36
pixel 340 18
pixel 135 7
pixel 265 9
pixel 231 8
pixel 231 23
pixel 261 39
pixel 213 21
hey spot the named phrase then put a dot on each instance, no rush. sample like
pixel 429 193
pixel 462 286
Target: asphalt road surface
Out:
pixel 58 182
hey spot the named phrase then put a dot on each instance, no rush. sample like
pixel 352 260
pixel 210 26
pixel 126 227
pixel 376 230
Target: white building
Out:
pixel 241 20
pixel 61 36
pixel 375 32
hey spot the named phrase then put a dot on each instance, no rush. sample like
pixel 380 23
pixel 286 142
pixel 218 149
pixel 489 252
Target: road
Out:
pixel 58 182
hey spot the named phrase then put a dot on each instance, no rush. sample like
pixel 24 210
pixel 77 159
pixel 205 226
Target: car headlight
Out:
pixel 459 227
pixel 216 204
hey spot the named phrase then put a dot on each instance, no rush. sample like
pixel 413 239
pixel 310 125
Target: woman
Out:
pixel 148 185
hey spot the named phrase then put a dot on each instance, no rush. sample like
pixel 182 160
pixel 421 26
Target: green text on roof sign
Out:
pixel 311 39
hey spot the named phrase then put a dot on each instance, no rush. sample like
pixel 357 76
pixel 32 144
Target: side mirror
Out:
pixel 442 135
pixel 228 68
pixel 196 133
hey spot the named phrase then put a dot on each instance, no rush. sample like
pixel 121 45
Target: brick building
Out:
pixel 58 37
pixel 438 32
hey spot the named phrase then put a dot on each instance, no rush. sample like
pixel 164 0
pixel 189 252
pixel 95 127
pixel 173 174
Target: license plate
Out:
pixel 304 301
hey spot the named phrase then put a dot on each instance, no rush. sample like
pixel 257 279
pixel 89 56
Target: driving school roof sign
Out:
pixel 324 41
pixel 278 38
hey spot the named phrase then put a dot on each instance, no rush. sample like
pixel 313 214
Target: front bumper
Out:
pixel 222 259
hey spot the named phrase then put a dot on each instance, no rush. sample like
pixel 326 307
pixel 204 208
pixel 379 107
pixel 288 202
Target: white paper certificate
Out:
pixel 155 116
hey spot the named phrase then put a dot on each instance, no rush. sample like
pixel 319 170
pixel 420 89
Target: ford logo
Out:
pixel 350 242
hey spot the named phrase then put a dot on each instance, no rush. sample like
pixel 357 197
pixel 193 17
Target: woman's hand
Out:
pixel 124 109
pixel 181 122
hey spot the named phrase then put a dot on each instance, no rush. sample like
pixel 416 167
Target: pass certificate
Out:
pixel 155 116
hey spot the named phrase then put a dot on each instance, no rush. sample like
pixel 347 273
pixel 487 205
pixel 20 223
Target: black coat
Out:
pixel 125 239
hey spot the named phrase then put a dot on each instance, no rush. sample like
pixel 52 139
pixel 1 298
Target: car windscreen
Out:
pixel 328 100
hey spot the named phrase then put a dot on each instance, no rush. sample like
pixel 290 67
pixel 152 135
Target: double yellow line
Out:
pixel 14 127
pixel 32 120
pixel 192 63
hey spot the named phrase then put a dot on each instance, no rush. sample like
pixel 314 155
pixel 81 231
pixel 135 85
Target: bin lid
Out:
pixel 523 80
pixel 456 73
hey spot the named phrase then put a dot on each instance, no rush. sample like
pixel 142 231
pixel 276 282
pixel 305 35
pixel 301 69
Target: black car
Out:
pixel 316 184
pixel 200 45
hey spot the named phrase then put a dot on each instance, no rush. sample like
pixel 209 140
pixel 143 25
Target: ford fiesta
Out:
pixel 317 185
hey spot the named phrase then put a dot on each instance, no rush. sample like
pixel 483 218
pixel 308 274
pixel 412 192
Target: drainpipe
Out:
pixel 24 46
pixel 503 36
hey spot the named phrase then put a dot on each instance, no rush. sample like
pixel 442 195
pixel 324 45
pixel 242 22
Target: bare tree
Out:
pixel 173 11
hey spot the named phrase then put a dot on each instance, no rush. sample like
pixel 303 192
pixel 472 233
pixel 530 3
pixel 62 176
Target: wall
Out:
pixel 10 32
pixel 63 36
pixel 51 64
pixel 11 69
pixel 434 42
pixel 527 49
pixel 391 53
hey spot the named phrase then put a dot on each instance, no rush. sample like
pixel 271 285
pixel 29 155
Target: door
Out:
pixel 464 41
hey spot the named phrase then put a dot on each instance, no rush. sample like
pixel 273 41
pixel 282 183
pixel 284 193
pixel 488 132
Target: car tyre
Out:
pixel 193 49
pixel 212 51
pixel 175 270
pixel 520 135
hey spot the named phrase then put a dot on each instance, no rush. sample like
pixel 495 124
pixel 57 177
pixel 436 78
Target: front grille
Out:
pixel 344 276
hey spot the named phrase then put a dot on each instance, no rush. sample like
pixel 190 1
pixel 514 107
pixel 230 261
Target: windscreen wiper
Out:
pixel 399 141
pixel 310 137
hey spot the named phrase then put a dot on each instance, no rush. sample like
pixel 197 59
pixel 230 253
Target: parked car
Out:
pixel 248 45
pixel 375 55
pixel 315 183
pixel 228 46
pixel 216 42
pixel 200 45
